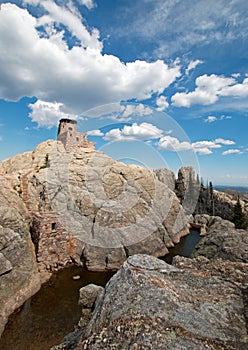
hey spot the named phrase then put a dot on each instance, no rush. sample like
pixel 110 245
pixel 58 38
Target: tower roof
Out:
pixel 71 121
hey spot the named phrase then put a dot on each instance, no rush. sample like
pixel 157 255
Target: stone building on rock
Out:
pixel 70 137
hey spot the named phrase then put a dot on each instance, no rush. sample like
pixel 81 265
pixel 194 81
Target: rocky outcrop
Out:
pixel 187 188
pixel 19 277
pixel 224 203
pixel 88 208
pixel 186 178
pixel 232 271
pixel 199 303
pixel 167 177
pixel 219 203
pixel 222 240
pixel 89 296
pixel 148 304
pixel 5 264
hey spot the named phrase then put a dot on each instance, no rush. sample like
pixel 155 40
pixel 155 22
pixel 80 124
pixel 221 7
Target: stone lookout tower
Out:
pixel 70 137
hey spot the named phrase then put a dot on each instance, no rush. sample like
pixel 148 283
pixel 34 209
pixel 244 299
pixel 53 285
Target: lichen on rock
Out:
pixel 150 304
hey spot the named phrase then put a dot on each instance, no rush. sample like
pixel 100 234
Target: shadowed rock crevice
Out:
pixel 19 278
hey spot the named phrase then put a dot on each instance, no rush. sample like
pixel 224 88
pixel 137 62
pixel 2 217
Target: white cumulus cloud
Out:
pixel 88 3
pixel 79 77
pixel 208 89
pixel 203 151
pixel 203 144
pixel 95 133
pixel 224 142
pixel 237 90
pixel 70 18
pixel 143 131
pixel 231 151
pixel 193 65
pixel 203 147
pixel 137 110
pixel 48 113
pixel 170 143
pixel 162 103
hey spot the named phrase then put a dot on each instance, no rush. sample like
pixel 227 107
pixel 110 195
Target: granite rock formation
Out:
pixel 220 203
pixel 224 203
pixel 87 208
pixel 167 177
pixel 19 278
pixel 187 188
pixel 89 296
pixel 148 304
pixel 222 240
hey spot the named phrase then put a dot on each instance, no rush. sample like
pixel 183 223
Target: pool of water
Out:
pixel 185 247
pixel 51 313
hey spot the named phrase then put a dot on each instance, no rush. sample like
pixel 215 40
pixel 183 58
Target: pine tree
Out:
pixel 239 218
pixel 211 195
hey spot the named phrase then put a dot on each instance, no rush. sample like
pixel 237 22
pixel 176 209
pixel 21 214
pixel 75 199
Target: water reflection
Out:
pixel 185 247
pixel 50 314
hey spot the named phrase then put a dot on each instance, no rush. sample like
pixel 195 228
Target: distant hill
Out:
pixel 241 189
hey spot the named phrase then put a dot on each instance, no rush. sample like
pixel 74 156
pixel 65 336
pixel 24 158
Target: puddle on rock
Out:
pixel 50 314
pixel 185 247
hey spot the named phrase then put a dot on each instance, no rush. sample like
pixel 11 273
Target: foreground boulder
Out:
pixel 149 304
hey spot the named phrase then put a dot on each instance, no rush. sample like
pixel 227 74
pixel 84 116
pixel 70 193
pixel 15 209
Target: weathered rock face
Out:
pixel 89 296
pixel 187 189
pixel 186 175
pixel 167 177
pixel 19 277
pixel 87 207
pixel 222 240
pixel 224 203
pixel 150 304
pixel 235 272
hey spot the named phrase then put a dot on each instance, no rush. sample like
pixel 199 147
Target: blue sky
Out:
pixel 154 82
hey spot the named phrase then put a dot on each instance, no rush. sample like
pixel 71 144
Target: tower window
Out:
pixel 77 138
pixel 54 226
pixel 70 128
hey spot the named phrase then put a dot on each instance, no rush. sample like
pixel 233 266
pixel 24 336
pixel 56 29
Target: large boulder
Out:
pixel 167 177
pixel 222 240
pixel 19 277
pixel 186 177
pixel 89 208
pixel 187 188
pixel 149 304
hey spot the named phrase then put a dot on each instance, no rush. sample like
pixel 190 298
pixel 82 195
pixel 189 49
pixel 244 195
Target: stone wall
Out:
pixel 70 137
pixel 55 247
